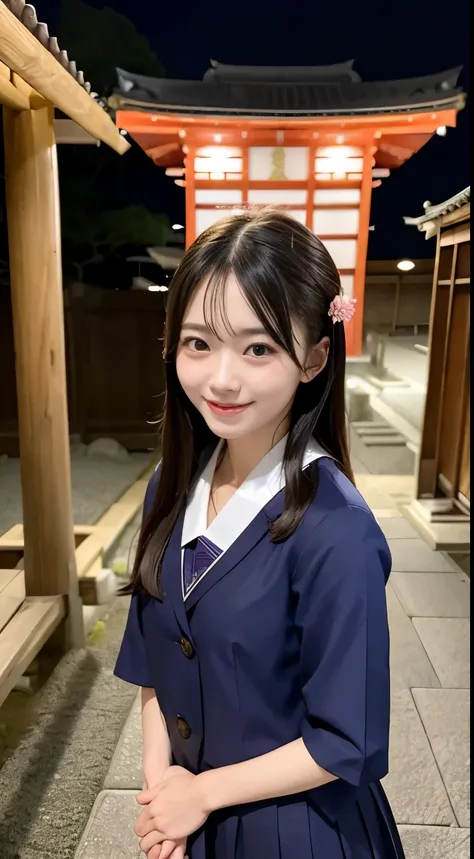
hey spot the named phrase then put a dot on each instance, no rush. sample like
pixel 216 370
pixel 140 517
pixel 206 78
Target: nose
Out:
pixel 225 378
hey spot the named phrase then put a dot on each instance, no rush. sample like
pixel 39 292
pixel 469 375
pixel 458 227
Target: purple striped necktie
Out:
pixel 198 556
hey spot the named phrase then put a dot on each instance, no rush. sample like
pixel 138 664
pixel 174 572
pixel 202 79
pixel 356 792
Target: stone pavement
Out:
pixel 428 784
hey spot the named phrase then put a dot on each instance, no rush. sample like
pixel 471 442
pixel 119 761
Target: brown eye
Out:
pixel 195 344
pixel 259 350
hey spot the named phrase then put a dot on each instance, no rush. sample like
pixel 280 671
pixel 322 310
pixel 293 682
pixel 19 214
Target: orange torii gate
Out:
pixel 312 140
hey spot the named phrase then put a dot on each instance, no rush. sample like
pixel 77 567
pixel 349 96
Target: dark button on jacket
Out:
pixel 184 730
pixel 186 647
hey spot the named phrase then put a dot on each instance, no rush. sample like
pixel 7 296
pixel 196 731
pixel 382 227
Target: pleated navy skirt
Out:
pixel 291 828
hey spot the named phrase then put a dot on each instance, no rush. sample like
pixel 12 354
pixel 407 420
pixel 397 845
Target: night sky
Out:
pixel 387 41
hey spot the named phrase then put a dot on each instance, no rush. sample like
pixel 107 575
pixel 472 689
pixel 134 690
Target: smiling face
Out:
pixel 238 378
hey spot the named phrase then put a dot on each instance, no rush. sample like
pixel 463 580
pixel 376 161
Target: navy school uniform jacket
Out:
pixel 273 643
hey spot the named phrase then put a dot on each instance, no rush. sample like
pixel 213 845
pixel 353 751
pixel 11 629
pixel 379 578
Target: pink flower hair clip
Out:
pixel 342 309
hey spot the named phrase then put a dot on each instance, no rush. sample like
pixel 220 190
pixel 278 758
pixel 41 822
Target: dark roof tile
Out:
pixel 315 96
pixel 431 212
pixel 26 13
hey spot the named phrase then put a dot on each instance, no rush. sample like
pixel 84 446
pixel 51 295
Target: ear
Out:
pixel 316 360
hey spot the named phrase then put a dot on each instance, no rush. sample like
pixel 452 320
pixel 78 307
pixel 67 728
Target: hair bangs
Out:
pixel 214 305
pixel 259 287
pixel 257 293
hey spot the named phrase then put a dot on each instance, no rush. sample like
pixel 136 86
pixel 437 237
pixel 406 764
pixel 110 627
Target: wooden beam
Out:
pixel 456 236
pixel 35 100
pixel 26 56
pixel 33 217
pixel 25 635
pixel 10 96
pixel 158 152
pixel 457 215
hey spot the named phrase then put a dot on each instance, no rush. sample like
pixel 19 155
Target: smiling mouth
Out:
pixel 227 408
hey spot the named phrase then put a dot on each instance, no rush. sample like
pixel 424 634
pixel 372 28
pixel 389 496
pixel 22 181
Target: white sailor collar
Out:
pixel 262 484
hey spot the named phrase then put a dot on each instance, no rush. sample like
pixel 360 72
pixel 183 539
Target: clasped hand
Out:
pixel 173 810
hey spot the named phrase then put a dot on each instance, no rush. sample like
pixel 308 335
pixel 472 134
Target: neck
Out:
pixel 243 454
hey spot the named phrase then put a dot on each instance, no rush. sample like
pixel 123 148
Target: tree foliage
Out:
pixel 100 40
pixel 95 222
pixel 92 237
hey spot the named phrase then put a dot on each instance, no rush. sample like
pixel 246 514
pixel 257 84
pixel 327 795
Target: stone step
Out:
pixel 125 771
pixel 446 641
pixel 433 594
pixel 397 528
pixel 385 441
pixel 409 664
pixel 109 832
pixel 416 793
pixel 439 708
pixel 442 536
pixel 365 432
pixel 414 556
pixel 435 842
pixel 369 424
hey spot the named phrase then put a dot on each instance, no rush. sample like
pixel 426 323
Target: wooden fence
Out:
pixel 115 370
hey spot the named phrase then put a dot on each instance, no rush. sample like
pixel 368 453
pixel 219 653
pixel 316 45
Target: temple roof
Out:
pixel 221 73
pixel 288 91
pixel 427 223
pixel 440 209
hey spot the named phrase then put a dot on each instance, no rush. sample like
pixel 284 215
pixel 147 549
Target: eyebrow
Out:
pixel 240 332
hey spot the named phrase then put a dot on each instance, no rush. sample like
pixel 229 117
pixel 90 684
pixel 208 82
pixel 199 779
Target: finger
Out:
pixel 168 848
pixel 142 820
pixel 143 826
pixel 150 840
pixel 154 853
pixel 145 796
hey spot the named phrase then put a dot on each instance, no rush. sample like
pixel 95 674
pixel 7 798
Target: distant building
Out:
pixel 444 484
pixel 311 140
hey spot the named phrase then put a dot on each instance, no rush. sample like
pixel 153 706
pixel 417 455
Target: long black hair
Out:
pixel 287 275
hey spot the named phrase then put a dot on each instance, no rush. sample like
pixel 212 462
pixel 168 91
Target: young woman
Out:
pixel 258 625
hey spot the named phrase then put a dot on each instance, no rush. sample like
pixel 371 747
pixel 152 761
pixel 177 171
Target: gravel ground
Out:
pixel 57 746
pixel 97 482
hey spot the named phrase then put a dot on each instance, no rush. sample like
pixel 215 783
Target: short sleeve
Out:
pixel 132 661
pixel 341 614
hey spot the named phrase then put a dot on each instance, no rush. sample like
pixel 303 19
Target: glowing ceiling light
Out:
pixel 406 265
pixel 154 288
pixel 442 131
pixel 177 227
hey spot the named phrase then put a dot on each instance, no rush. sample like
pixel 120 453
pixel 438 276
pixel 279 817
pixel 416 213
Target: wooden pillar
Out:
pixel 190 196
pixel 34 236
pixel 354 330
